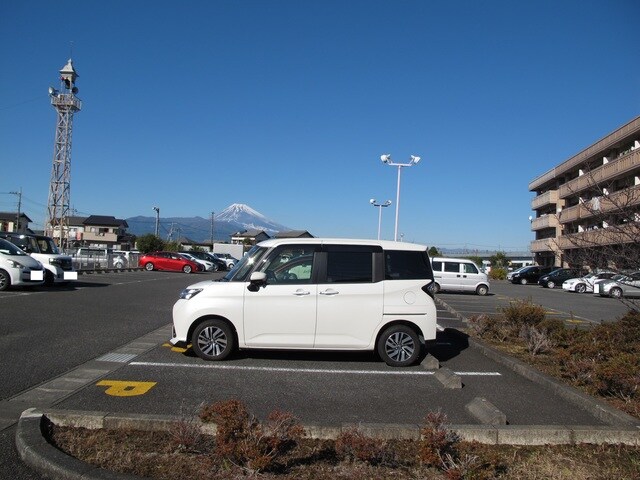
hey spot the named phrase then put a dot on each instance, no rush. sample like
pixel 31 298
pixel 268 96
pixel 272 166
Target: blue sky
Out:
pixel 287 105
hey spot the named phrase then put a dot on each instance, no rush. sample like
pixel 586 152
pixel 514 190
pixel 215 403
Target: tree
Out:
pixel 149 243
pixel 433 252
pixel 172 246
pixel 499 260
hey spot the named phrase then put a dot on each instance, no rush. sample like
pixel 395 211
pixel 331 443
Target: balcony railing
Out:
pixel 547 198
pixel 601 174
pixel 616 201
pixel 619 234
pixel 544 245
pixel 546 221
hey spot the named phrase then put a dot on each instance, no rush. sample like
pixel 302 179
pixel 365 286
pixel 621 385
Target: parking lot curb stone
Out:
pixel 486 412
pixel 34 425
pixel 598 409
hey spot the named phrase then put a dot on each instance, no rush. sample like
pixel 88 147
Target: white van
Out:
pixel 57 267
pixel 459 275
pixel 312 293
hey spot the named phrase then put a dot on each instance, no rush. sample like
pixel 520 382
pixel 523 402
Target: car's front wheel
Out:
pixel 581 288
pixel 482 290
pixel 148 266
pixel 399 346
pixel 5 280
pixel 213 340
pixel 187 269
pixel 616 292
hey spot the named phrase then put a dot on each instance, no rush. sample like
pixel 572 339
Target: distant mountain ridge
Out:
pixel 235 218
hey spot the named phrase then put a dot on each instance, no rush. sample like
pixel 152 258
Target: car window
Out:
pixel 289 264
pixel 437 266
pixel 453 267
pixel 407 265
pixel 349 265
pixel 469 268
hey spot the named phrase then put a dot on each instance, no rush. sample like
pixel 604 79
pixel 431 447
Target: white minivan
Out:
pixel 17 268
pixel 312 293
pixel 459 275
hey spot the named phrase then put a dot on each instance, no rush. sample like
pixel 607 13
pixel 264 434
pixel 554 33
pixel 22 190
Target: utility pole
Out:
pixel 212 232
pixel 157 210
pixel 19 194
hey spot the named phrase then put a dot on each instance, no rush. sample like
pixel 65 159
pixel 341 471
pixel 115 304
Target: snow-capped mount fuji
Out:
pixel 237 217
pixel 248 218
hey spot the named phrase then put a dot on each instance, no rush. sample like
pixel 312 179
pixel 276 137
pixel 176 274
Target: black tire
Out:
pixel 581 288
pixel 482 290
pixel 213 340
pixel 49 280
pixel 616 292
pixel 5 280
pixel 399 346
pixel 523 281
pixel 187 269
pixel 149 267
pixel 230 266
pixel 551 284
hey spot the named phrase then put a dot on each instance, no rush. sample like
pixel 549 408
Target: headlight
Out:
pixel 15 264
pixel 55 261
pixel 189 293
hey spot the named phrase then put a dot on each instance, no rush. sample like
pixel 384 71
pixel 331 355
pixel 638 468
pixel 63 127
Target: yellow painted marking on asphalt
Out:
pixel 119 388
pixel 175 349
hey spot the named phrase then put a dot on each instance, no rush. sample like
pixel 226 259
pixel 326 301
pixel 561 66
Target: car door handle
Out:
pixel 330 291
pixel 301 293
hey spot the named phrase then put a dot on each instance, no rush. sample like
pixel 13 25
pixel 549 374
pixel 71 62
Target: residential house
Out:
pixel 9 223
pixel 249 237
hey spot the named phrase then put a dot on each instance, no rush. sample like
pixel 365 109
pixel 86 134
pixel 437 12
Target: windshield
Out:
pixel 9 248
pixel 245 265
pixel 46 245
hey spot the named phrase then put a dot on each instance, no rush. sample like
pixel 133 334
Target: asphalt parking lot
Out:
pixel 101 345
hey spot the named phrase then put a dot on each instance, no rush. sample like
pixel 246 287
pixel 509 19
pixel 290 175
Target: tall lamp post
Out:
pixel 380 207
pixel 386 159
pixel 157 210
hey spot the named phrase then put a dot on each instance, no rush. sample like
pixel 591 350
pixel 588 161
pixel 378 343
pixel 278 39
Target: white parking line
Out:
pixel 306 370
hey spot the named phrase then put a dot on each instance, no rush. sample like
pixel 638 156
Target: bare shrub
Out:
pixel 244 441
pixel 352 445
pixel 523 312
pixel 490 327
pixel 436 440
pixel 536 340
pixel 459 468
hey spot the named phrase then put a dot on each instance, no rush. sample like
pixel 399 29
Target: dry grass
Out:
pixel 156 455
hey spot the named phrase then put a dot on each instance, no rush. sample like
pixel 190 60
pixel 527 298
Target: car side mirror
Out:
pixel 257 280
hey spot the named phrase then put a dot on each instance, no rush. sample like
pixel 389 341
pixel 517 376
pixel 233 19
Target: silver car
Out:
pixel 619 286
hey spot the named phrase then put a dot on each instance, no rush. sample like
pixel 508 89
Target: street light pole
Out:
pixel 380 207
pixel 386 159
pixel 157 210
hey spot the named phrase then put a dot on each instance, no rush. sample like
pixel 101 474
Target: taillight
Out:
pixel 430 289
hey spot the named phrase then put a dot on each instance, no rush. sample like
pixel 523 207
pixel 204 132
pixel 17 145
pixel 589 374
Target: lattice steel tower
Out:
pixel 66 104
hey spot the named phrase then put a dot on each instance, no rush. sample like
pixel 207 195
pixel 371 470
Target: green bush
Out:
pixel 523 312
pixel 498 274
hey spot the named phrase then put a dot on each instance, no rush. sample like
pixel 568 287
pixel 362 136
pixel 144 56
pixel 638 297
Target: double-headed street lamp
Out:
pixel 387 160
pixel 380 207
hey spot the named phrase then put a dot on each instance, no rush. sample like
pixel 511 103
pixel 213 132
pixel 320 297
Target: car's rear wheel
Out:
pixel 399 346
pixel 523 281
pixel 148 266
pixel 482 290
pixel 5 280
pixel 616 292
pixel 187 269
pixel 581 288
pixel 551 284
pixel 213 340
pixel 230 266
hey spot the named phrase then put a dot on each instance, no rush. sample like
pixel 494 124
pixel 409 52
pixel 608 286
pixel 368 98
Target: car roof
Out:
pixel 385 244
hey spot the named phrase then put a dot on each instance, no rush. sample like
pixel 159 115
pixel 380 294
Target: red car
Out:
pixel 167 261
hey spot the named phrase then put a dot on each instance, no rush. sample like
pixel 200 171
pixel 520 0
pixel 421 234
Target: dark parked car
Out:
pixel 167 261
pixel 530 274
pixel 218 265
pixel 558 276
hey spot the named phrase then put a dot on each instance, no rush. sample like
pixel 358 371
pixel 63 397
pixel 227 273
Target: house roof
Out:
pixel 250 233
pixel 12 216
pixel 105 221
pixel 293 234
pixel 76 221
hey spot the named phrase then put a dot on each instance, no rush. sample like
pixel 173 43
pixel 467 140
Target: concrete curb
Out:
pixel 598 409
pixel 39 454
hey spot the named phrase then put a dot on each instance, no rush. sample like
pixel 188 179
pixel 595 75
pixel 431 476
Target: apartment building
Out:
pixel 588 207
